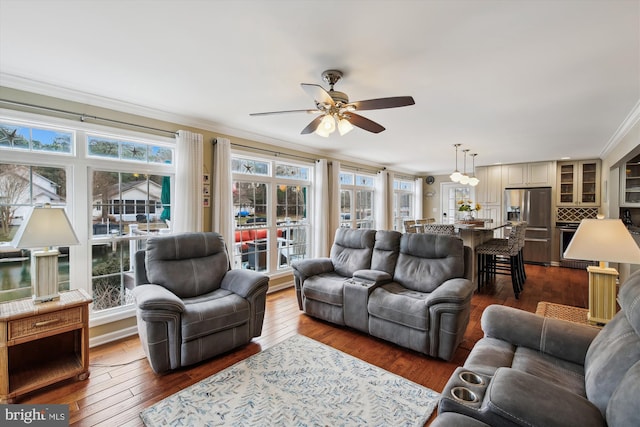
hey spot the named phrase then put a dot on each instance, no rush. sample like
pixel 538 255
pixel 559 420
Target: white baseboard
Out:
pixel 113 336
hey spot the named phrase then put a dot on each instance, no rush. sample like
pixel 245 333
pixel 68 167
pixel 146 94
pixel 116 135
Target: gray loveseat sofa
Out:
pixel 534 371
pixel 190 305
pixel 409 289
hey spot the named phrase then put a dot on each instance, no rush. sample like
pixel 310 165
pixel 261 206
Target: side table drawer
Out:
pixel 44 322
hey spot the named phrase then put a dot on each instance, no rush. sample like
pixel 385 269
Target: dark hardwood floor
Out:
pixel 122 384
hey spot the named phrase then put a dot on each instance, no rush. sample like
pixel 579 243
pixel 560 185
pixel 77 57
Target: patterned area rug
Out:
pixel 298 382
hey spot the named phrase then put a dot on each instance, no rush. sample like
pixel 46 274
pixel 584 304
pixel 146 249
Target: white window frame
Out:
pixel 352 221
pixel 78 167
pixel 272 181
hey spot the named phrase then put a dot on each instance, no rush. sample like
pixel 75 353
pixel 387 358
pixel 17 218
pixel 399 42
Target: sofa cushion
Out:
pixel 551 369
pixel 395 303
pixel 187 264
pixel 616 348
pixel 622 410
pixel 213 312
pixel 428 260
pixel 326 287
pixel 351 250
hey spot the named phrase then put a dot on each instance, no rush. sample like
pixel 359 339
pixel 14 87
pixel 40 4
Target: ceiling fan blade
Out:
pixel 311 127
pixel 284 112
pixel 364 123
pixel 380 103
pixel 318 93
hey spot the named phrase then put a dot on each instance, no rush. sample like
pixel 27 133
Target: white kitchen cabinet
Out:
pixel 539 174
pixel 489 189
pixel 578 183
pixel 630 183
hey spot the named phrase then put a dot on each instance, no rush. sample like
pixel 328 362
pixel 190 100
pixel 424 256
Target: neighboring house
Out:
pixel 129 202
pixel 15 179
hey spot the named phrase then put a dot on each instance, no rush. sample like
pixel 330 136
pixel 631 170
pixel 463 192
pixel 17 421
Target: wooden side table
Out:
pixel 41 344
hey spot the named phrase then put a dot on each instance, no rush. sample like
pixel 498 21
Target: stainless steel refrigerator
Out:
pixel 534 206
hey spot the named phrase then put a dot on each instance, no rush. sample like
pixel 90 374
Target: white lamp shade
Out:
pixel 473 181
pixel 464 179
pixel 327 125
pixel 603 240
pixel 455 176
pixel 344 126
pixel 45 227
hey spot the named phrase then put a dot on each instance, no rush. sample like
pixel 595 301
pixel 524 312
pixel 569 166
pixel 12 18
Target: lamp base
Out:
pixel 602 294
pixel 44 276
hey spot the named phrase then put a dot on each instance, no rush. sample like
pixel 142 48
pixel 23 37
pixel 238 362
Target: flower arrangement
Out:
pixel 468 206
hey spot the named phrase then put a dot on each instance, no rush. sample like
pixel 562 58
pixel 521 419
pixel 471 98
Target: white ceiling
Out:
pixel 511 80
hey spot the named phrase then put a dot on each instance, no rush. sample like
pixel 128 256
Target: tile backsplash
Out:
pixel 576 214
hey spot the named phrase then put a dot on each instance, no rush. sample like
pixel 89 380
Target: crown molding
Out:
pixel 627 124
pixel 46 89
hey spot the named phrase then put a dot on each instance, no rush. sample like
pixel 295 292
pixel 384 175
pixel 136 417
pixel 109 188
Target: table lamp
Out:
pixel 42 228
pixel 602 240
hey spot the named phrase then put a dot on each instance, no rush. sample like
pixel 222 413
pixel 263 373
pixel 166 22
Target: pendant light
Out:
pixel 464 179
pixel 473 181
pixel 456 175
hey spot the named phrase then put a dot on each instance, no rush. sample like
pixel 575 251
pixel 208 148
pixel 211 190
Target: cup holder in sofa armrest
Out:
pixel 471 378
pixel 464 395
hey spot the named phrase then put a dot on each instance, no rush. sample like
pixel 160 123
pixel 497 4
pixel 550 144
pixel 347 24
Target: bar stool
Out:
pixel 439 229
pixel 503 256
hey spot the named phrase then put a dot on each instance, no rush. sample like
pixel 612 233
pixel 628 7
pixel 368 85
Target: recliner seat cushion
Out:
pixel 213 312
pixel 326 288
pixel 397 304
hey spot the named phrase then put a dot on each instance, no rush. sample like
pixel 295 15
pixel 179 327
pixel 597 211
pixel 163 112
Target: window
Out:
pixel 23 186
pixel 357 200
pixel 121 194
pixel 403 202
pixel 271 205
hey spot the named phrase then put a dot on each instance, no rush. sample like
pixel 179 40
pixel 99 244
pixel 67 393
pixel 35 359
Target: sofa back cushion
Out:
pixel 351 250
pixel 386 250
pixel 616 348
pixel 188 264
pixel 428 260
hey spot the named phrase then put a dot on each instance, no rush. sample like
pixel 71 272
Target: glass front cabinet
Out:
pixel 630 184
pixel 578 183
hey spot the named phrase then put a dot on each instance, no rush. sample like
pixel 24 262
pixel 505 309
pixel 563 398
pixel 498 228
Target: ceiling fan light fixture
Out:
pixel 327 126
pixel 344 126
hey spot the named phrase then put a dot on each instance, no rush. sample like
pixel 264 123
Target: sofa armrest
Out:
pixel 524 399
pixel 565 340
pixel 312 267
pixel 377 277
pixel 451 291
pixel 157 298
pixel 245 282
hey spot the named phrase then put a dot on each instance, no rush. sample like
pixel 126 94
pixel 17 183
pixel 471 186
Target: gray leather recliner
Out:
pixel 537 371
pixel 190 305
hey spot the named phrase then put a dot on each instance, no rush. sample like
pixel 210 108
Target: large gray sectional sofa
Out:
pixel 534 371
pixel 409 289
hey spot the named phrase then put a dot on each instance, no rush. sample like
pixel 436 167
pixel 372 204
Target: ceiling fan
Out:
pixel 336 111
